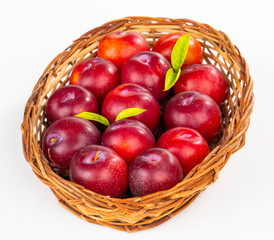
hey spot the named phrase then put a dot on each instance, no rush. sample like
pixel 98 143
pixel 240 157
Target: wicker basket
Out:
pixel 138 213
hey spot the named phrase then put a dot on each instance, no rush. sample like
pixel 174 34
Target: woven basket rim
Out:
pixel 44 173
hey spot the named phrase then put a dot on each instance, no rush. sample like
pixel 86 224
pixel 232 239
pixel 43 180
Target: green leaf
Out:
pixel 178 56
pixel 179 52
pixel 171 78
pixel 129 112
pixel 94 117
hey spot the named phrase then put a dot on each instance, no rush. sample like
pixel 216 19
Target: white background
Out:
pixel 238 206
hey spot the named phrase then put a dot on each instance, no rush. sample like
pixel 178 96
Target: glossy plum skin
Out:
pixel 165 44
pixel 128 138
pixel 194 110
pixel 188 145
pixel 68 101
pixel 118 47
pixel 154 170
pixel 203 78
pixel 131 95
pixel 147 69
pixel 98 75
pixel 101 170
pixel 64 138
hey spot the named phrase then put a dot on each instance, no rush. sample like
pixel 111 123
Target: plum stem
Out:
pixel 54 140
pixel 96 156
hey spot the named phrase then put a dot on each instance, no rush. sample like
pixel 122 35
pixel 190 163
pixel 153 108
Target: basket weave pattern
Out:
pixel 139 213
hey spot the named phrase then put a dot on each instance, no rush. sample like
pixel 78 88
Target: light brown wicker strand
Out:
pixel 140 213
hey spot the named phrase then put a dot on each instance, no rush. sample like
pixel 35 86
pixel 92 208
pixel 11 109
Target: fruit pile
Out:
pixel 135 120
